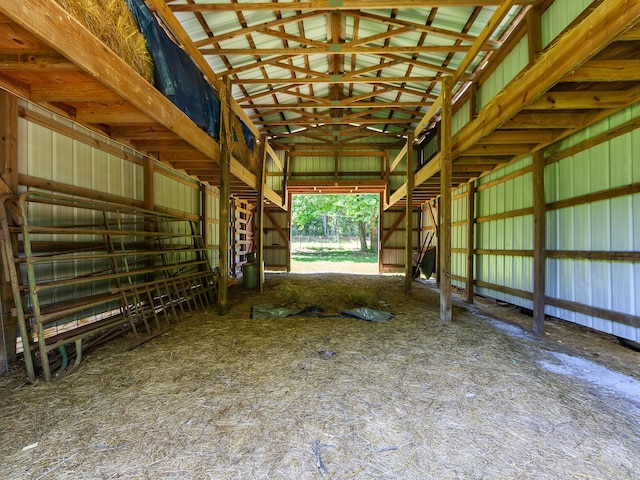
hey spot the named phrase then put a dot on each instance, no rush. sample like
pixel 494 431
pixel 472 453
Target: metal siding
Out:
pixel 605 225
pixel 460 118
pixel 508 69
pixel 558 16
pixel 512 233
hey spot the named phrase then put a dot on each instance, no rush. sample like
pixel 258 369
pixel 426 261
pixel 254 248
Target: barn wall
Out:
pixel 596 224
pixel 504 233
pixel 508 69
pixel 392 243
pixel 53 148
pixel 459 202
pixel 276 240
pixel 593 209
pixel 558 17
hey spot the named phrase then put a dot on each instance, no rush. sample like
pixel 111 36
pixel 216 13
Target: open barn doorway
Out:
pixel 336 233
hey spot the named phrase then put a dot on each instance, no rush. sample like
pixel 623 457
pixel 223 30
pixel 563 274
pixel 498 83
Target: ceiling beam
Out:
pixel 331 79
pixel 330 5
pixel 335 49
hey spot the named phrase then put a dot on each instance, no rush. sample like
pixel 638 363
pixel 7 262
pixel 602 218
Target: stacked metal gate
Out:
pixel 83 271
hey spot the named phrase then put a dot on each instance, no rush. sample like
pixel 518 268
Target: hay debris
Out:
pixel 332 298
pixel 228 397
pixel 112 22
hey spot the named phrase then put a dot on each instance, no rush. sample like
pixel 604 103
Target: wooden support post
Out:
pixel 534 35
pixel 438 223
pixel 149 204
pixel 444 242
pixel 259 218
pixel 225 193
pixel 9 176
pixel 471 195
pixel 206 214
pixel 539 243
pixel 408 218
pixel 387 178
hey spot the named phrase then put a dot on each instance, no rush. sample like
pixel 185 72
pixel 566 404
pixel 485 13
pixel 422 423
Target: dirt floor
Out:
pixel 308 398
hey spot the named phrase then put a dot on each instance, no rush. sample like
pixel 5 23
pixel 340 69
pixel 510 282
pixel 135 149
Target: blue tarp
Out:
pixel 176 76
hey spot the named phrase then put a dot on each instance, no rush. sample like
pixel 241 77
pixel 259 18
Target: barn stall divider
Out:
pixel 83 271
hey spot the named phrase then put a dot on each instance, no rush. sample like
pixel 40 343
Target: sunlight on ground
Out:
pixel 315 257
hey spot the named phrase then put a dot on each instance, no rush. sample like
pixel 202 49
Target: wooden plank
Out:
pixel 428 170
pixel 534 35
pixel 539 243
pixel 502 289
pixel 471 195
pixel 9 140
pixel 502 216
pixel 606 256
pixel 428 116
pixel 506 178
pixel 259 220
pixel 277 226
pixel 580 100
pixel 59 187
pixel 606 71
pixel 408 218
pixel 392 229
pixel 518 136
pixel 618 317
pixel 330 5
pixel 596 196
pixel 444 241
pixel 224 213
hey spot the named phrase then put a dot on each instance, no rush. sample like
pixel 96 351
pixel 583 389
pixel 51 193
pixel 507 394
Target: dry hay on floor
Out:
pixel 309 398
pixel 112 22
pixel 328 298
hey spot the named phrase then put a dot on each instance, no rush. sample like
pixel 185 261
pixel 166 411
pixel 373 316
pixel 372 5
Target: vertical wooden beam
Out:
pixel 259 222
pixel 9 140
pixel 336 166
pixel 206 214
pixel 408 218
pixel 9 177
pixel 471 223
pixel 534 35
pixel 438 223
pixel 444 242
pixel 288 242
pixel 285 178
pixel 225 193
pixel 539 243
pixel 148 184
pixel 387 178
pixel 380 232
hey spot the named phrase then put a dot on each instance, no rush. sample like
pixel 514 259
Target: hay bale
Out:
pixel 112 22
pixel 327 298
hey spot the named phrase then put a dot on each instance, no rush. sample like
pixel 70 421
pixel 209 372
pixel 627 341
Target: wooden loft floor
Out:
pixel 50 59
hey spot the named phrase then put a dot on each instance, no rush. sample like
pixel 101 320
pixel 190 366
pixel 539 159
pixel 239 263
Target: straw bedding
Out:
pixel 308 398
pixel 112 22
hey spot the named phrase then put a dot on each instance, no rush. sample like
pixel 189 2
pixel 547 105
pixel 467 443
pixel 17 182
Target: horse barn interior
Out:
pixel 149 151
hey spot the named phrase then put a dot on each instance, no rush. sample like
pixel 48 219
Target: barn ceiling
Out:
pixel 331 70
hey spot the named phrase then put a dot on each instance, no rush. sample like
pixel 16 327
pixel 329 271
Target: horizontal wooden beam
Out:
pixel 579 100
pixel 606 71
pixel 334 49
pixel 330 5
